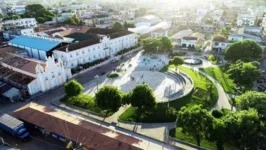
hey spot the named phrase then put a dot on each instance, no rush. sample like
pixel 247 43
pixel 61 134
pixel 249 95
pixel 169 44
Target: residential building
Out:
pixel 21 23
pixel 12 33
pixel 179 36
pixel 246 33
pixel 108 43
pixel 159 33
pixel 32 75
pixel 36 47
pixel 219 44
pixel 17 9
pixel 189 42
pixel 246 19
pixel 64 16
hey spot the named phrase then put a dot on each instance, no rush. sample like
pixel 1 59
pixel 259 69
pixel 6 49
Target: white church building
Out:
pixel 32 75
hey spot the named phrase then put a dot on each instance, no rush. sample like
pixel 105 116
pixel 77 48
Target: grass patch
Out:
pixel 178 134
pixel 219 74
pixel 85 102
pixel 162 114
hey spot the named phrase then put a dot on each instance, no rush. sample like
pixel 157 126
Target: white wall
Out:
pixel 107 47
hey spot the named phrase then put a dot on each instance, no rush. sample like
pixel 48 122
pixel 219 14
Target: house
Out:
pixel 108 43
pixel 159 33
pixel 64 16
pixel 219 43
pixel 21 23
pixel 246 19
pixel 36 47
pixel 189 42
pixel 17 9
pixel 12 33
pixel 32 75
pixel 246 33
pixel 179 35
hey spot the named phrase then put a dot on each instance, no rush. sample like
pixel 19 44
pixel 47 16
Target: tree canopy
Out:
pixel 1 15
pixel 194 120
pixel 109 98
pixel 177 61
pixel 245 49
pixel 39 12
pixel 244 74
pixel 73 88
pixel 142 97
pixel 128 25
pixel 117 26
pixel 11 17
pixel 252 99
pixel 72 21
pixel 157 44
pixel 244 128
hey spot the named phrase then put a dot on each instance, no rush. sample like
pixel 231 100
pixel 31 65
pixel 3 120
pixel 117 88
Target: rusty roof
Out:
pixel 90 135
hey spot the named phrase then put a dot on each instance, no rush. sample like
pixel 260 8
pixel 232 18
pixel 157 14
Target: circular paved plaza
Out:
pixel 162 84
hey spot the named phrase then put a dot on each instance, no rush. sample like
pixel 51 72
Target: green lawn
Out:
pixel 160 113
pixel 178 134
pixel 85 102
pixel 219 74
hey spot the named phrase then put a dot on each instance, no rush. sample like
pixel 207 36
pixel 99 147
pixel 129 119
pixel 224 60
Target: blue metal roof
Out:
pixel 35 42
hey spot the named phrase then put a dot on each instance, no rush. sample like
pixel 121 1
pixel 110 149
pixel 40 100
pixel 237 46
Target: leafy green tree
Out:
pixel 217 133
pixel 1 16
pixel 244 74
pixel 73 88
pixel 195 121
pixel 177 61
pixel 245 49
pixel 72 21
pixel 252 99
pixel 143 97
pixel 166 43
pixel 109 98
pixel 126 99
pixel 117 26
pixel 11 17
pixel 128 25
pixel 151 45
pixel 37 10
pixel 40 19
pixel 244 128
pixel 226 31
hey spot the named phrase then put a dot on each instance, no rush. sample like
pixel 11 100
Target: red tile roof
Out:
pixel 90 135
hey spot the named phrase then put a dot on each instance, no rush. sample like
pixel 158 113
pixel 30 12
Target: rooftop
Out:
pixel 159 30
pixel 82 36
pixel 219 39
pixel 20 62
pixel 78 45
pixel 97 137
pixel 43 44
pixel 190 38
pixel 181 34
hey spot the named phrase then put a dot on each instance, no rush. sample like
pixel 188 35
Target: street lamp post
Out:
pixel 97 79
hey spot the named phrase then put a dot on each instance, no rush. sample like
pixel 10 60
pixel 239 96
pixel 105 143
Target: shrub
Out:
pixel 217 113
pixel 113 75
pixel 73 70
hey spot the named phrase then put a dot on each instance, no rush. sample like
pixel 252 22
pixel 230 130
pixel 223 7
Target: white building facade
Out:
pixel 52 75
pixel 189 42
pixel 246 20
pixel 107 47
pixel 23 23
